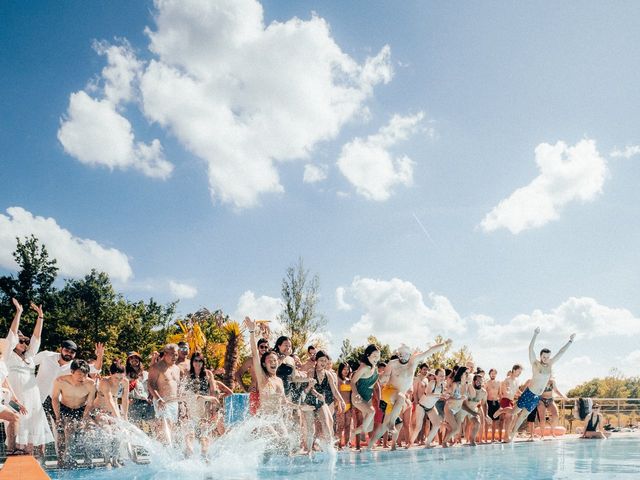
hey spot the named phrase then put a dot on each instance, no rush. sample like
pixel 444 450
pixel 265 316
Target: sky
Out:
pixel 466 170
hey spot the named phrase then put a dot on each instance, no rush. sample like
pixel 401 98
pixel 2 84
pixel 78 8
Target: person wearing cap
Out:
pixel 397 379
pixel 33 429
pixel 55 364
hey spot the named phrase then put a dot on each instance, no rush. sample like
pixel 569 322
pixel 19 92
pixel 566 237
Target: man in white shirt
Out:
pixel 52 365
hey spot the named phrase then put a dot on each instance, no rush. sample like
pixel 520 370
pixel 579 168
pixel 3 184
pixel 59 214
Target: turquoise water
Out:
pixel 554 459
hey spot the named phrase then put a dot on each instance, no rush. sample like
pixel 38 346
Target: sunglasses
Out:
pixel 264 347
pixel 24 341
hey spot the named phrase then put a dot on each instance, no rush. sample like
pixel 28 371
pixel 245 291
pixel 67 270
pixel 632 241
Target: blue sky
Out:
pixel 194 152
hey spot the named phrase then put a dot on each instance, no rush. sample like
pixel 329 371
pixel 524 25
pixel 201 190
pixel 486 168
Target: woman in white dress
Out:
pixel 33 429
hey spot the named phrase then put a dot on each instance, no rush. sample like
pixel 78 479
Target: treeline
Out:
pixel 614 385
pixel 89 310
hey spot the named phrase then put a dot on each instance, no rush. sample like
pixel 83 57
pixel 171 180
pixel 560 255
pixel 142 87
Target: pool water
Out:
pixel 553 459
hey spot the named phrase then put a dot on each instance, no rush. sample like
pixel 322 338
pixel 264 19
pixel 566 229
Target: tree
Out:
pixel 299 318
pixel 34 282
pixel 352 355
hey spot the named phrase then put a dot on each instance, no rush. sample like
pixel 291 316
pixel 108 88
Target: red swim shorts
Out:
pixel 506 403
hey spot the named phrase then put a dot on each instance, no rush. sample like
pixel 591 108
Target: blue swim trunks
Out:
pixel 528 400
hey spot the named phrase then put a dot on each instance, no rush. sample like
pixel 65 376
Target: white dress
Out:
pixel 33 428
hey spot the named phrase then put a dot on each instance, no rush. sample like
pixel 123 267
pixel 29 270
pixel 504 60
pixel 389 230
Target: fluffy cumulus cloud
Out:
pixel 259 308
pixel 96 133
pixel 583 316
pixel 75 256
pixel 241 95
pixel 567 174
pixel 395 312
pixel 369 165
pixel 628 152
pixel 182 290
pixel 314 173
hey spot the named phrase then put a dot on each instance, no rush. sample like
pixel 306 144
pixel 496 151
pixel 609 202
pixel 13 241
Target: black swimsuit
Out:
pixel 592 427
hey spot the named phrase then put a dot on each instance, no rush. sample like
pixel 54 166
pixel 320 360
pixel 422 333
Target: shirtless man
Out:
pixel 541 372
pixel 183 359
pixel 493 405
pixel 508 390
pixel 71 399
pixel 163 381
pixel 309 366
pixel 476 403
pixel 399 378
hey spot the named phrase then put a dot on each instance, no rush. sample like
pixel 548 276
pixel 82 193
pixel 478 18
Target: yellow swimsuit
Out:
pixel 345 387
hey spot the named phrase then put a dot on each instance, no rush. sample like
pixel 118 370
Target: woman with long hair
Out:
pixel 344 417
pixel 363 382
pixel 140 403
pixel 33 430
pixel 204 403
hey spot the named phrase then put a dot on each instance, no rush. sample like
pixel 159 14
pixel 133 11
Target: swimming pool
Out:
pixel 554 459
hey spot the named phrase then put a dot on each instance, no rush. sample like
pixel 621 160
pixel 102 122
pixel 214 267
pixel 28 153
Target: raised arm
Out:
pixel 563 349
pixel 99 351
pixel 15 324
pixel 532 345
pixel 255 355
pixel 421 357
pixel 37 331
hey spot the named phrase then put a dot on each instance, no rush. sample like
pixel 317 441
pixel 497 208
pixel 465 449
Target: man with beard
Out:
pixel 541 373
pixel 56 364
pixel 397 380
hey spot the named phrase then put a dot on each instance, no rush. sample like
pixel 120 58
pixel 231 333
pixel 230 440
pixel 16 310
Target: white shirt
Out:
pixel 49 370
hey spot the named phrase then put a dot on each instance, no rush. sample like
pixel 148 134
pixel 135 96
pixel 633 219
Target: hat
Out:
pixel 134 354
pixel 70 345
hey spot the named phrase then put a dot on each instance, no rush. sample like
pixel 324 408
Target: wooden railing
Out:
pixel 618 412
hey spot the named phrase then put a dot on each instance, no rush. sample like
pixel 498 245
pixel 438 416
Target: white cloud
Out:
pixel 314 173
pixel 395 312
pixel 341 304
pixel 259 308
pixel 632 361
pixel 182 290
pixel 97 134
pixel 368 164
pixel 75 256
pixel 567 174
pixel 583 316
pixel 243 96
pixel 628 152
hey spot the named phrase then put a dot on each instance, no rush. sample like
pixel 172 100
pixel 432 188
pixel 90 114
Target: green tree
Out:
pixel 299 318
pixel 33 283
pixel 353 354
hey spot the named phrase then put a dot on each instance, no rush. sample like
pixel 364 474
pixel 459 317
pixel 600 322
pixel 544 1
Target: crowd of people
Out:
pixel 54 397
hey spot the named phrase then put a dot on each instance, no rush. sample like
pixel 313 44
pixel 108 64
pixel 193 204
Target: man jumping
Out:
pixel 541 372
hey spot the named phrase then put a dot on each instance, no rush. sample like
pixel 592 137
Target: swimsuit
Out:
pixel 528 400
pixel 493 406
pixel 592 427
pixel 364 386
pixel 169 412
pixel 506 402
pixel 71 413
pixel 547 401
pixel 385 398
pixel 435 405
pixel 346 387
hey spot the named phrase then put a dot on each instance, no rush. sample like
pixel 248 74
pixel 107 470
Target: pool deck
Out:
pixel 23 467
